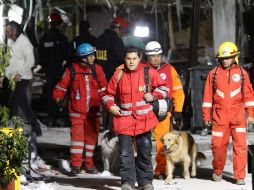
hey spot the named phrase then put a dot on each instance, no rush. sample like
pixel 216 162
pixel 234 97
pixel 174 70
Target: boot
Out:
pixel 91 170
pixel 240 182
pixel 146 187
pixel 217 178
pixel 74 171
pixel 126 186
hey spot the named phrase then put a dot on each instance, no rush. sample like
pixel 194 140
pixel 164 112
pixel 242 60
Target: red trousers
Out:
pixel 220 140
pixel 84 135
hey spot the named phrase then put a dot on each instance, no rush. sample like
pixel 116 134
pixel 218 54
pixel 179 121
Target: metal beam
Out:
pixel 193 45
pixel 147 3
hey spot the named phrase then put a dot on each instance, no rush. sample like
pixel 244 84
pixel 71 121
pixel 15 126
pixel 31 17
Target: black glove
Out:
pixel 62 103
pixel 177 119
pixel 177 115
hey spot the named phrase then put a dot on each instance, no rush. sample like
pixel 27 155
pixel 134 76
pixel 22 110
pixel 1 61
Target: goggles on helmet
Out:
pixel 153 50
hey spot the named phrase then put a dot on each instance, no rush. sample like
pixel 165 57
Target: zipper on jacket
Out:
pixel 229 76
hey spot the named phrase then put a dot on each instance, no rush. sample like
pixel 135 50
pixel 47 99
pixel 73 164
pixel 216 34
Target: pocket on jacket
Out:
pixel 237 115
pixel 123 125
pixel 220 116
pixel 77 102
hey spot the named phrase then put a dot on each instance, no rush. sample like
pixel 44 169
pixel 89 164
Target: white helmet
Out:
pixel 153 48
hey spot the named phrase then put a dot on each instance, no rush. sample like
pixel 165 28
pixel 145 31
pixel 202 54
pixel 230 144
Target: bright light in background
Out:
pixel 141 31
pixel 1 24
pixel 15 13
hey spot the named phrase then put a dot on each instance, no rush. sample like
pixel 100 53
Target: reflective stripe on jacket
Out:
pixel 137 115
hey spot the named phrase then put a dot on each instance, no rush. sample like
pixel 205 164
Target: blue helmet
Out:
pixel 84 50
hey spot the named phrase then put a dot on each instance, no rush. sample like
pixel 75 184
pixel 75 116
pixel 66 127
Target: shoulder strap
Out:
pixel 243 79
pixel 72 70
pixel 146 78
pixel 119 75
pixel 214 78
pixel 93 72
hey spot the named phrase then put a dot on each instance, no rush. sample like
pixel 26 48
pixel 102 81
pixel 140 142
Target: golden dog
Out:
pixel 180 147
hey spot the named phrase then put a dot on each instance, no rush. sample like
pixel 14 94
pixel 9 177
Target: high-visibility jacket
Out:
pixel 137 115
pixel 85 90
pixel 227 95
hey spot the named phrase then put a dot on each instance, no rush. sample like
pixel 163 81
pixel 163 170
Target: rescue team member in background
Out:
pixel 110 47
pixel 110 55
pixel 86 86
pixel 84 37
pixel 228 93
pixel 53 49
pixel 168 73
pixel 134 118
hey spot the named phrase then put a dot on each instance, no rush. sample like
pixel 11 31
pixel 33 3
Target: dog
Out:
pixel 110 152
pixel 180 147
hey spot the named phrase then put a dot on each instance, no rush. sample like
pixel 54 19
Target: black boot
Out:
pixel 74 171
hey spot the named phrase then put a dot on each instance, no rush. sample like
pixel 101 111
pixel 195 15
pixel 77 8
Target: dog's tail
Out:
pixel 201 156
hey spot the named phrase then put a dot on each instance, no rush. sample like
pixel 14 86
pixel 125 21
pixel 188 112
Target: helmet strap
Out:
pixel 227 67
pixel 84 62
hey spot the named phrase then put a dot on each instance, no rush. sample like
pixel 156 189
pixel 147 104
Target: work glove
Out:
pixel 62 103
pixel 207 128
pixel 177 120
pixel 207 124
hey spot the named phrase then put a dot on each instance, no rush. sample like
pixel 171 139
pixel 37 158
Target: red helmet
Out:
pixel 118 22
pixel 55 18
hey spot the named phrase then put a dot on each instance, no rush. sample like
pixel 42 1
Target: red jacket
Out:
pixel 226 97
pixel 137 115
pixel 85 90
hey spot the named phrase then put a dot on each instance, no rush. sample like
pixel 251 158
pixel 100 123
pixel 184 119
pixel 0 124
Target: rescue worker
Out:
pixel 110 55
pixel 228 94
pixel 110 47
pixel 85 36
pixel 53 49
pixel 168 73
pixel 86 83
pixel 134 118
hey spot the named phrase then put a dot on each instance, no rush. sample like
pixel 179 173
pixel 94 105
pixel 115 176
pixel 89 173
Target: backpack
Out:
pixel 160 107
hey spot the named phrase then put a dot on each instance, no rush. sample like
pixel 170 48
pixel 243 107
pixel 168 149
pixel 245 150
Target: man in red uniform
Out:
pixel 86 85
pixel 228 94
pixel 134 118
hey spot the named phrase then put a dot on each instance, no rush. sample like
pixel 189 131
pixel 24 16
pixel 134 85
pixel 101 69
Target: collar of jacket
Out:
pixel 19 38
pixel 110 31
pixel 234 65
pixel 54 30
pixel 156 68
pixel 140 66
